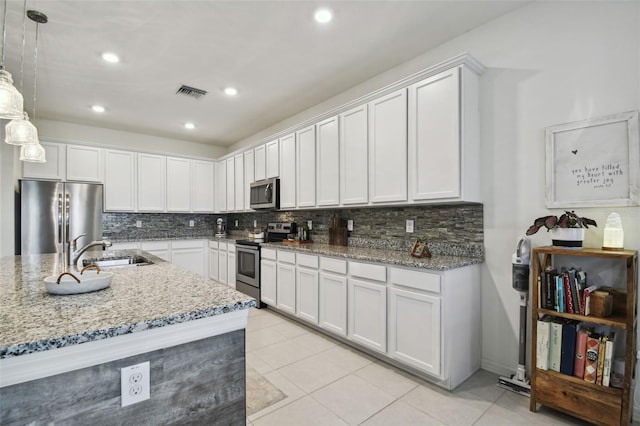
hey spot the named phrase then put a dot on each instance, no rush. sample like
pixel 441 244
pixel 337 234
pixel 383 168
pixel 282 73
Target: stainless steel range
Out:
pixel 248 258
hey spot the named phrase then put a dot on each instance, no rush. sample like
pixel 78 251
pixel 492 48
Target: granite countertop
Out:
pixel 139 298
pixel 229 238
pixel 393 257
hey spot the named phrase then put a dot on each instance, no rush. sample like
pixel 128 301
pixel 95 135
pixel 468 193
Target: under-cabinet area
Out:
pixel 425 321
pixel 584 348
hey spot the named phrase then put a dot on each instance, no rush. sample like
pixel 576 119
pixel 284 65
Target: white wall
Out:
pixel 547 63
pixel 71 132
pixel 7 194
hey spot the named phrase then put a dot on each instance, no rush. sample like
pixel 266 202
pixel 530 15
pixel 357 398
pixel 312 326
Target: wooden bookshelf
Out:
pixel 593 403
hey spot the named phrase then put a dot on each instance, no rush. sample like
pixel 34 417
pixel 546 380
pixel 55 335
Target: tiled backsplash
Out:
pixel 122 226
pixel 450 230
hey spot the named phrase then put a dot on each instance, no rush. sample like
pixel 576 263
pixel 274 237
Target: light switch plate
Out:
pixel 135 383
pixel 310 224
pixel 191 223
pixel 236 222
pixel 409 225
pixel 138 223
pixel 349 225
pixel 255 223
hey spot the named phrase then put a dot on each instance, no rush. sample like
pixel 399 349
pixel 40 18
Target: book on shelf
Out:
pixel 549 287
pixel 608 359
pixel 542 345
pixel 581 352
pixel 601 355
pixel 560 293
pixel 555 345
pixel 586 298
pixel 575 291
pixel 566 288
pixel 591 361
pixel 568 350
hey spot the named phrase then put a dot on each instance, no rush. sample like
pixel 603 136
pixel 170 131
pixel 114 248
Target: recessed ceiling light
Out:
pixel 323 16
pixel 110 57
pixel 230 91
pixel 189 126
pixel 98 108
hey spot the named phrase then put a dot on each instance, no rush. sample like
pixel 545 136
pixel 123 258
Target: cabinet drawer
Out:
pixel 286 256
pixel 154 245
pixel 366 270
pixel 266 253
pixel 213 244
pixel 307 260
pixel 415 279
pixel 180 244
pixel 222 246
pixel 597 404
pixel 333 265
pixel 231 248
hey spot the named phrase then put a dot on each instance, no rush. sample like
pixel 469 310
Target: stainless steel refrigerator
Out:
pixel 54 213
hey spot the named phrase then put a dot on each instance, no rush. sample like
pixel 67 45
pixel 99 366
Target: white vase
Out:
pixel 567 237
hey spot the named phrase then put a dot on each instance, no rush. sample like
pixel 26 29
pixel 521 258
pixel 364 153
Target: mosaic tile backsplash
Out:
pixel 450 230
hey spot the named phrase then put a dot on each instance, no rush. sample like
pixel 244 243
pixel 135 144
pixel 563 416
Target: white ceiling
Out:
pixel 275 54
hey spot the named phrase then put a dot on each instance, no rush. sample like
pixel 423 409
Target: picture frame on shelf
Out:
pixel 594 162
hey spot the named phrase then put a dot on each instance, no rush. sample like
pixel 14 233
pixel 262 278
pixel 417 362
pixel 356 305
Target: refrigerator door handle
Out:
pixel 66 223
pixel 59 218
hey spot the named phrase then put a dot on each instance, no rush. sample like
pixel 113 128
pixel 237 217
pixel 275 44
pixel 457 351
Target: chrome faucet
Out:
pixel 74 256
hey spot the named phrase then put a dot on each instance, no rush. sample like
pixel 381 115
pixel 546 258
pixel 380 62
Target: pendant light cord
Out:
pixel 35 73
pixel 24 29
pixel 4 32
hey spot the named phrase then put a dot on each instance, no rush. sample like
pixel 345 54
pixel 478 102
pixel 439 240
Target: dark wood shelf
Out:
pixel 613 321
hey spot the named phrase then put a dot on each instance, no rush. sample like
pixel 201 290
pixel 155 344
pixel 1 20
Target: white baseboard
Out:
pixel 499 369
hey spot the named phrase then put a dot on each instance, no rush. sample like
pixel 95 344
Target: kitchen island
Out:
pixel 60 356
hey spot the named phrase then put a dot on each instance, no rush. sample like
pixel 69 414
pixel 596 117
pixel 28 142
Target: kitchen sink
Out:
pixel 110 261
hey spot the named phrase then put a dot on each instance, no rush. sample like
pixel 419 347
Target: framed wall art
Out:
pixel 594 162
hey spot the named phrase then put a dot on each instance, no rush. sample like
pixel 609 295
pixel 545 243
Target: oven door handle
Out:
pixel 246 248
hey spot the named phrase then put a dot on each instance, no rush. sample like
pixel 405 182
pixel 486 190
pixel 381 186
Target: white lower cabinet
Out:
pixel 213 260
pixel 222 262
pixel 333 302
pixel 191 255
pixel 268 276
pixel 307 288
pixel 367 310
pixel 414 329
pixel 157 248
pixel 231 265
pixel 286 282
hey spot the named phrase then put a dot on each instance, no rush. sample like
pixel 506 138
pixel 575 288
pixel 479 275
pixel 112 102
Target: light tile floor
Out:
pixel 328 383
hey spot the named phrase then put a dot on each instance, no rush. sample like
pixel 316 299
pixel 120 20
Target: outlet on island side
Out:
pixel 135 384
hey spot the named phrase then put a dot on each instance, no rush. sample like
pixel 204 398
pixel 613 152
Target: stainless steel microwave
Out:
pixel 265 194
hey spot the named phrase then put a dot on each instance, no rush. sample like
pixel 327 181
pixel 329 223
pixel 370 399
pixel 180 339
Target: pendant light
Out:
pixel 11 101
pixel 33 152
pixel 20 131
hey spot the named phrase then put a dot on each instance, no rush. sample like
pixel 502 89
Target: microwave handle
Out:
pixel 268 193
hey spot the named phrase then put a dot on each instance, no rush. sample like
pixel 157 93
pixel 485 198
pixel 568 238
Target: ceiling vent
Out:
pixel 191 91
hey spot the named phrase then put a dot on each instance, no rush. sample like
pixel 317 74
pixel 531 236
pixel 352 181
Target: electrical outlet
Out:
pixel 255 223
pixel 310 224
pixel 138 224
pixel 236 222
pixel 349 225
pixel 191 223
pixel 409 225
pixel 135 384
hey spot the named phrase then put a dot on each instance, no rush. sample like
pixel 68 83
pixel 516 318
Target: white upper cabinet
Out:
pixel 249 177
pixel 120 181
pixel 288 175
pixel 388 148
pixel 273 157
pixel 434 137
pixel 54 168
pixel 202 186
pixel 231 185
pixel 221 187
pixel 178 184
pixel 239 182
pixel 328 162
pixel 354 149
pixel 152 175
pixel 306 167
pixel 84 163
pixel 260 162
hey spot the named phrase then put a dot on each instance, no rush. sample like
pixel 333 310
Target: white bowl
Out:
pixel 89 281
